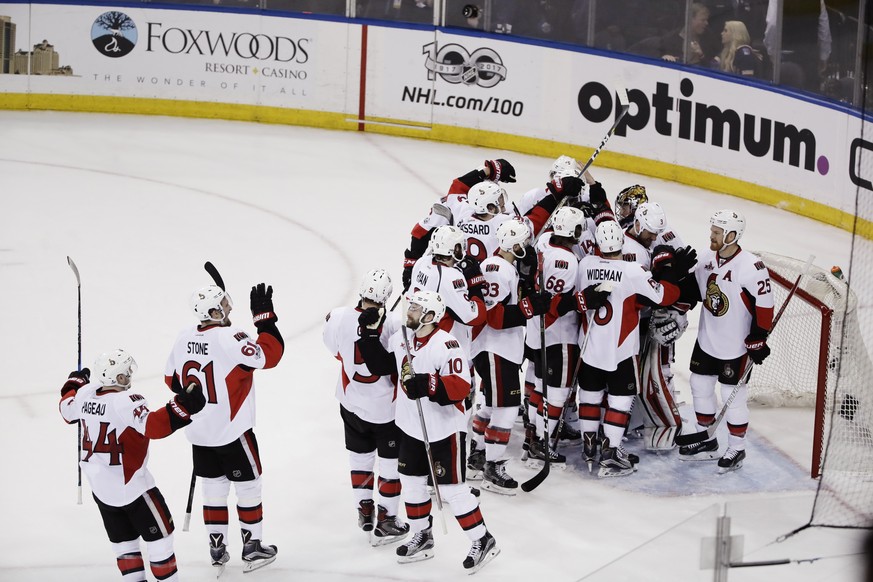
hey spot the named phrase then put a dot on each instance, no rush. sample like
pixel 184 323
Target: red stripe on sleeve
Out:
pixel 273 349
pixel 456 387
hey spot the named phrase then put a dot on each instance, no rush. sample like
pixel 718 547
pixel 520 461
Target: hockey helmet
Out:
pixel 609 237
pixel 566 220
pixel 208 298
pixel 110 365
pixel 376 286
pixel 429 301
pixel 729 221
pixel 445 240
pixel 484 194
pixel 650 216
pixel 632 197
pixel 565 166
pixel 513 232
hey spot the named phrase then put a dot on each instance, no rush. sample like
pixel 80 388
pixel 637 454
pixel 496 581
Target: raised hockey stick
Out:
pixel 623 106
pixel 213 272
pixel 78 367
pixel 430 466
pixel 704 435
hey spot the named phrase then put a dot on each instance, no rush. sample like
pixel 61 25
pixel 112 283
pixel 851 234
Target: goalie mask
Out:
pixel 111 365
pixel 513 232
pixel 564 166
pixel 445 242
pixel 485 194
pixel 627 201
pixel 609 237
pixel 650 217
pixel 729 221
pixel 429 302
pixel 566 221
pixel 208 298
pixel 376 286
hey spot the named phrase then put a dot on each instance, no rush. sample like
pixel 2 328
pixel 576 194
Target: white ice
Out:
pixel 141 202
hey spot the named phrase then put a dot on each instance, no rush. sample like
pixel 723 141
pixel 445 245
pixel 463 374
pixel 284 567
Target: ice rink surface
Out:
pixel 140 203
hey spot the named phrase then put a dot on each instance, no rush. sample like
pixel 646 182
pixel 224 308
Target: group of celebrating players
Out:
pixel 589 298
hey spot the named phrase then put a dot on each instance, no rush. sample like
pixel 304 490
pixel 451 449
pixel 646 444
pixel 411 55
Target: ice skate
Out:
pixel 365 515
pixel 536 457
pixel 255 554
pixel 388 530
pixel 481 552
pixel 589 449
pixel 496 480
pixel 475 463
pixel 614 461
pixel 704 451
pixel 420 547
pixel 218 552
pixel 731 461
pixel 569 434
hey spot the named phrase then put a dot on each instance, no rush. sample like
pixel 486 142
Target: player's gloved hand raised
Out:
pixel 417 386
pixel 261 302
pixel 408 263
pixel 500 170
pixel 537 303
pixel 597 195
pixel 685 258
pixel 568 186
pixel 370 320
pixel 472 272
pixel 757 348
pixel 662 258
pixel 76 380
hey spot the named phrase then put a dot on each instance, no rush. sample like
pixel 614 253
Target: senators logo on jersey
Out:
pixel 715 302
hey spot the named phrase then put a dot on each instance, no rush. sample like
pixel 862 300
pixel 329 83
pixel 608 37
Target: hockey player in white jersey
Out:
pixel 735 318
pixel 117 426
pixel 223 358
pixel 610 361
pixel 367 410
pixel 433 382
pixel 498 351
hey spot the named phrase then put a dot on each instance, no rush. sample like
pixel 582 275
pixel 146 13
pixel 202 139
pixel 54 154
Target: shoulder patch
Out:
pixel 135 397
pixel 561 264
pixel 629 257
pixel 491 268
pixel 452 344
pixel 458 284
pixel 668 236
pixel 760 265
pixel 241 335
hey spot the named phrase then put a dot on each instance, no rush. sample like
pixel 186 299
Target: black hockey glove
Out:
pixel 183 405
pixel 593 297
pixel 76 380
pixel 683 261
pixel 261 301
pixel 662 258
pixel 472 272
pixel 369 322
pixel 500 170
pixel 417 386
pixel 568 186
pixel 536 303
pixel 597 195
pixel 757 348
pixel 409 259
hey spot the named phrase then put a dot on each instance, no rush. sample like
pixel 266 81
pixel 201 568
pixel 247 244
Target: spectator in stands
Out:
pixel 737 55
pixel 752 13
pixel 673 44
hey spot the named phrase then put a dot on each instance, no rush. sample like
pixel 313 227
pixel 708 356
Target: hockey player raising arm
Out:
pixel 222 358
pixel 438 378
pixel 735 318
pixel 117 426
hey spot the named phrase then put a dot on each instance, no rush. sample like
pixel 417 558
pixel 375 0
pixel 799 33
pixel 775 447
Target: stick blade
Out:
pixel 623 98
pixel 213 272
pixel 75 270
pixel 537 479
pixel 683 440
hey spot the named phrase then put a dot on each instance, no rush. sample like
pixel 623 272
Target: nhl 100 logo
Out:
pixel 114 34
pixel 455 64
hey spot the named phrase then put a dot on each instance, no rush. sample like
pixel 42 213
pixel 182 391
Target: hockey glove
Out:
pixel 757 348
pixel 597 195
pixel 182 406
pixel 536 303
pixel 662 258
pixel 683 261
pixel 261 301
pixel 408 262
pixel 76 380
pixel 594 297
pixel 568 186
pixel 417 386
pixel 666 326
pixel 500 171
pixel 369 322
pixel 472 273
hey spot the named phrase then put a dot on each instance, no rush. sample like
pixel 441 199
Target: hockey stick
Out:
pixel 704 435
pixel 623 106
pixel 213 272
pixel 78 367
pixel 430 466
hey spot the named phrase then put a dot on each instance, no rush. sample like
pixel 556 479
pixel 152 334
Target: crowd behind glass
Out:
pixel 815 46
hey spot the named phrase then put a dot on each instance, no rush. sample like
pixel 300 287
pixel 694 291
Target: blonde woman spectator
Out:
pixel 737 56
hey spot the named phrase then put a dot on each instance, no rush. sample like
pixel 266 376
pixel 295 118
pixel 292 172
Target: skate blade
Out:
pixel 723 470
pixel 590 466
pixel 417 557
pixel 489 486
pixel 708 456
pixel 376 541
pixel 219 570
pixel 488 557
pixel 258 564
pixel 660 449
pixel 607 472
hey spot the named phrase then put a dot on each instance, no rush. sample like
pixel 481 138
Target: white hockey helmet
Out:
pixel 609 237
pixel 650 216
pixel 376 286
pixel 444 241
pixel 566 220
pixel 484 194
pixel 208 298
pixel 729 221
pixel 565 166
pixel 513 232
pixel 430 301
pixel 632 197
pixel 112 364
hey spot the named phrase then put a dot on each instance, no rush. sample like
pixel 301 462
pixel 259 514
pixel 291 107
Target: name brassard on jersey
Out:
pixel 475 228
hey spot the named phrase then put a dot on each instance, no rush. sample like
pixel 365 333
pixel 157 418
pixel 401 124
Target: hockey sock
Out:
pixel 616 418
pixel 248 506
pixel 465 508
pixel 480 425
pixel 162 559
pixel 737 416
pixel 498 432
pixel 557 398
pixel 589 409
pixel 535 411
pixel 361 465
pixel 703 395
pixel 417 501
pixel 215 492
pixel 129 560
pixel 389 485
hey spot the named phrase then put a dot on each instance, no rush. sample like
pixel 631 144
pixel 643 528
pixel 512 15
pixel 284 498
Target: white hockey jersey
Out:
pixel 481 234
pixel 501 288
pixel 560 268
pixel 734 292
pixel 614 335
pixel 369 397
pixel 115 448
pixel 223 360
pixel 438 353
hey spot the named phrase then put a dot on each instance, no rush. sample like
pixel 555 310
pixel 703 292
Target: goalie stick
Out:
pixel 684 440
pixel 78 367
pixel 534 482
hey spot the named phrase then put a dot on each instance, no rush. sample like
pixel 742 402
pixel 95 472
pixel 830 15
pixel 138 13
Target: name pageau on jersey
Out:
pixel 560 267
pixel 368 396
pixel 734 293
pixel 501 288
pixel 223 359
pixel 614 330
pixel 437 353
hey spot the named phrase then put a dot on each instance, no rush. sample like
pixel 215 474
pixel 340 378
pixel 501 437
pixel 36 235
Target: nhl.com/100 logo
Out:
pixel 455 64
pixel 114 34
